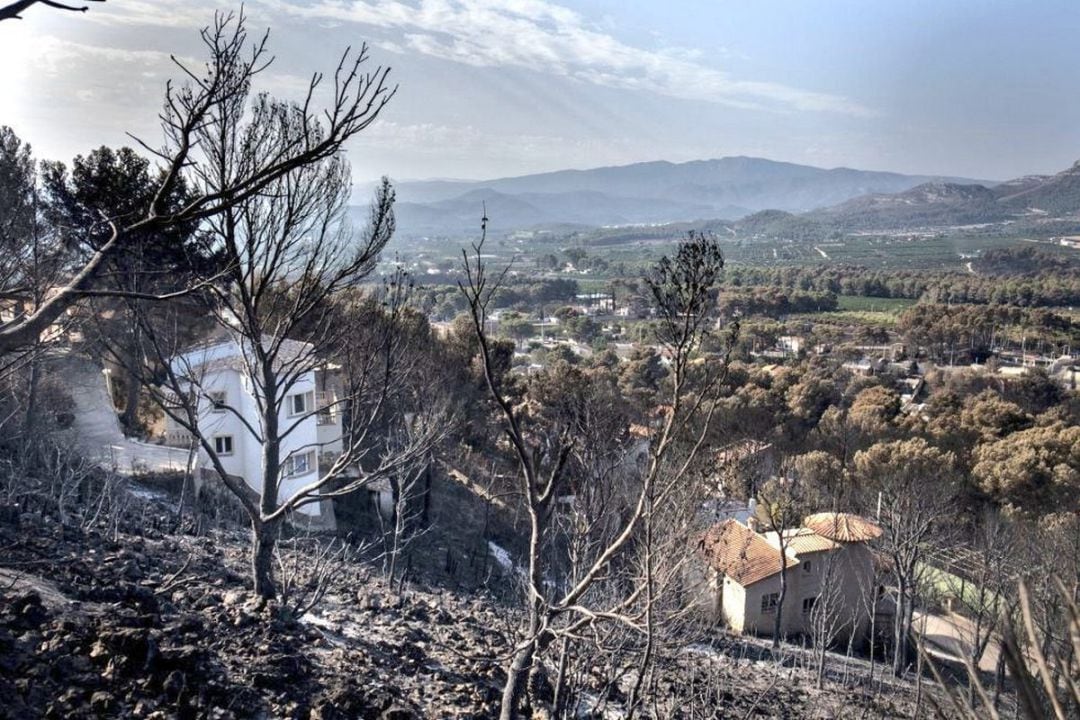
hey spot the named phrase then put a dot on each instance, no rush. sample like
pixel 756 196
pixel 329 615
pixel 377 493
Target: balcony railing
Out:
pixel 326 409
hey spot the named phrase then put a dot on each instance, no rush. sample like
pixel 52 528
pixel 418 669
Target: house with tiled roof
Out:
pixel 828 554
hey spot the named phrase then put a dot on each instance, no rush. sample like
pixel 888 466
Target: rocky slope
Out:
pixel 129 619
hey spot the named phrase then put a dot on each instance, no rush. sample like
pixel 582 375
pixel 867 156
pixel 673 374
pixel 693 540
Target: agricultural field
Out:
pixel 872 251
pixel 856 303
pixel 884 252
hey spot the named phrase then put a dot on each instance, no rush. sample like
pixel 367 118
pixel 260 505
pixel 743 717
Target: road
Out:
pixel 950 635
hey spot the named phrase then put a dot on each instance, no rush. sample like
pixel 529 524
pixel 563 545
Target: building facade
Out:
pixel 826 560
pixel 230 419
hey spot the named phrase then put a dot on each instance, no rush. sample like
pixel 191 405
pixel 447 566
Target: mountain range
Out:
pixel 642 193
pixel 752 195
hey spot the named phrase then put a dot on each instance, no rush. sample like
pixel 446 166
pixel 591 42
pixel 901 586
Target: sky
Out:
pixel 976 88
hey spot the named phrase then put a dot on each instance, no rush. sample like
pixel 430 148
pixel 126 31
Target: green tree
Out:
pixel 873 411
pixel 575 255
pixel 640 377
pixel 582 328
pixel 911 486
pixel 1036 470
pixel 217 94
pixel 118 183
pixel 516 326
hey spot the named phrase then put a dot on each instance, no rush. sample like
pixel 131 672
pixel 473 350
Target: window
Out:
pixel 769 602
pixel 298 404
pixel 299 464
pixel 806 566
pixel 218 400
pixel 808 604
pixel 223 444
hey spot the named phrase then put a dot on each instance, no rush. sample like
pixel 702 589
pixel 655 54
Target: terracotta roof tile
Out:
pixel 805 540
pixel 842 527
pixel 741 554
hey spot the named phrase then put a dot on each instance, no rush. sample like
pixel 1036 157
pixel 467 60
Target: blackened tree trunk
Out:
pixel 778 621
pixel 129 420
pixel 264 540
pixel 517 672
pixel 901 628
pixel 32 399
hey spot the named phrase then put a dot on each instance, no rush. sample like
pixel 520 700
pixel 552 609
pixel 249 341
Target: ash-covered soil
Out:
pixel 135 621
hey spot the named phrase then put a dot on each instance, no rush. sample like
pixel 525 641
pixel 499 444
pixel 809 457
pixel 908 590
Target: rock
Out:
pixel 102 701
pixel 144 707
pixel 254 605
pixel 31 613
pixel 418 613
pixel 174 685
pixel 186 657
pixel 234 598
pixel 397 712
pixel 267 680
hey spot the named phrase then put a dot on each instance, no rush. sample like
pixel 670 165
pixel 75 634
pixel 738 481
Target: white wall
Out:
pixel 246 459
pixel 213 423
pixel 303 439
pixel 852 572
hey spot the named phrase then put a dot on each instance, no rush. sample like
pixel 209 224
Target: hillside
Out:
pixel 759 198
pixel 513 211
pixel 653 192
pixel 927 204
pixel 131 618
pixel 1054 195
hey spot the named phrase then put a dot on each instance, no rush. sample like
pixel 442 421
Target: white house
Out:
pixel 790 344
pixel 229 417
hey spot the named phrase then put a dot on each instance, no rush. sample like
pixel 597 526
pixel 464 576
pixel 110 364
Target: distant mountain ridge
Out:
pixel 641 193
pixel 950 204
pixel 933 203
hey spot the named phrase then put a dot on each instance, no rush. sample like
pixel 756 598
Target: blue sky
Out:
pixel 962 87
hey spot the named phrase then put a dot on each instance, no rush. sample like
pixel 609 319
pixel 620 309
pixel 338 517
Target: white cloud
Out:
pixel 472 151
pixel 548 38
pixel 182 14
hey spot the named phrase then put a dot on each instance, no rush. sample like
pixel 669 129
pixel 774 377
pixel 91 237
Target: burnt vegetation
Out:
pixel 517 475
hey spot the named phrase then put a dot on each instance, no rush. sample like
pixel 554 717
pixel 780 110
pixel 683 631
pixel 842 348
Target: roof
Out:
pixel 741 554
pixel 842 527
pixel 741 450
pixel 804 540
pixel 226 353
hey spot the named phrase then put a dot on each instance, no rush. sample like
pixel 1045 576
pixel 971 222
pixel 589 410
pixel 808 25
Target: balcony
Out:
pixel 326 408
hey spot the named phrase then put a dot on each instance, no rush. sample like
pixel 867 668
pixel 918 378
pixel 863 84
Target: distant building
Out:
pixel 790 344
pixel 743 573
pixel 600 303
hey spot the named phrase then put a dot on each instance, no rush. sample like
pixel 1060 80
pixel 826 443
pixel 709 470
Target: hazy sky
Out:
pixel 979 88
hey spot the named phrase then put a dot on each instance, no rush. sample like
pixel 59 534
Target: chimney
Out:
pixel 751 518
